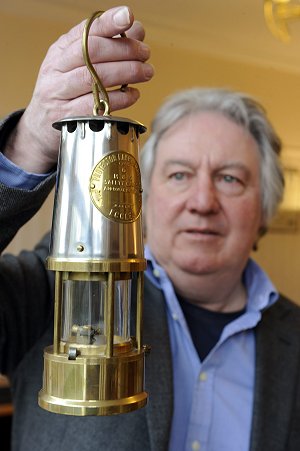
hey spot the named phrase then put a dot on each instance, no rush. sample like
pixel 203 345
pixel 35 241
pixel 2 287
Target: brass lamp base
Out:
pixel 93 385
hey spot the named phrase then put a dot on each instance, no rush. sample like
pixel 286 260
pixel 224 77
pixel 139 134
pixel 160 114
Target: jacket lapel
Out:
pixel 158 375
pixel 277 357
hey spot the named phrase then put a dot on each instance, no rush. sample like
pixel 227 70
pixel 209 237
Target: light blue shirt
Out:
pixel 15 177
pixel 213 399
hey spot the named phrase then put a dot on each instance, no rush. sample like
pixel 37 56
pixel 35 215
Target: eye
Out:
pixel 230 179
pixel 229 184
pixel 178 176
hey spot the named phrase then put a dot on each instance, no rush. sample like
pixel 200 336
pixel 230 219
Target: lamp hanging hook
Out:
pixel 101 99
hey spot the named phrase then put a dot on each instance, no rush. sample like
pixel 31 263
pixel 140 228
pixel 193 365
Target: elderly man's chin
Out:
pixel 195 263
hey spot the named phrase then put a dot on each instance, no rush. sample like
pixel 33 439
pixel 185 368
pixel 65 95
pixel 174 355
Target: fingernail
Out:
pixel 144 51
pixel 121 17
pixel 148 71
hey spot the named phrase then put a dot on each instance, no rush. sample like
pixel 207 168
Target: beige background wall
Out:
pixel 24 42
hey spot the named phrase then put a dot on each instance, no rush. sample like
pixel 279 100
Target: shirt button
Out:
pixel 156 273
pixel 203 376
pixel 175 316
pixel 195 445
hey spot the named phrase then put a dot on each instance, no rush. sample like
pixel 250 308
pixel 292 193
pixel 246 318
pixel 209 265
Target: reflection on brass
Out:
pixel 278 13
pixel 93 385
pixel 129 265
pixel 115 187
pixel 95 277
pixel 120 347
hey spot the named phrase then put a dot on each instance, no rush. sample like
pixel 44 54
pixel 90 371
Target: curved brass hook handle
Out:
pixel 98 88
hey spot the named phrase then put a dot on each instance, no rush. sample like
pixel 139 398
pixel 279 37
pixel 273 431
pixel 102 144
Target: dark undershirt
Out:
pixel 205 326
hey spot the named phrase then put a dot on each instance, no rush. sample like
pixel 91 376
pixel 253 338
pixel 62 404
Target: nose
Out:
pixel 203 196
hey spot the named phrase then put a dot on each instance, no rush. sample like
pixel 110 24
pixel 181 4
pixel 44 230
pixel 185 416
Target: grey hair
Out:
pixel 240 108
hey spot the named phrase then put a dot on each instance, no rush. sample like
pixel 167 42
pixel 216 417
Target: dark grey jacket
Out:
pixel 26 296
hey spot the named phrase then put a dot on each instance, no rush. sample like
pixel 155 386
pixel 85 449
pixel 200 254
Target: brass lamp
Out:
pixel 96 363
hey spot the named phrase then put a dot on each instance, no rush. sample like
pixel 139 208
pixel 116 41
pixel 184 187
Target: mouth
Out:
pixel 197 231
pixel 201 233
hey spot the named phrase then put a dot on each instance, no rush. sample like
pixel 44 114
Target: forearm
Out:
pixel 17 206
pixel 26 296
pixel 26 288
pixel 19 199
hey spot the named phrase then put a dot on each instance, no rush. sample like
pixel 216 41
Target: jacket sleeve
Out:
pixel 26 303
pixel 17 206
pixel 26 291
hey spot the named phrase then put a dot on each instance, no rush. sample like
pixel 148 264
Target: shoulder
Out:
pixel 284 314
pixel 285 306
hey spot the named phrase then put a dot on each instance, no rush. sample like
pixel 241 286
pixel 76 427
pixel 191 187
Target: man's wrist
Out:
pixel 15 177
pixel 26 150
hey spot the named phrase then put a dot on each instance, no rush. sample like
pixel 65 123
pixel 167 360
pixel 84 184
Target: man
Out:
pixel 213 184
pixel 223 372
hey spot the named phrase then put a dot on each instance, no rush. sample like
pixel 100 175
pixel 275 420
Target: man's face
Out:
pixel 203 211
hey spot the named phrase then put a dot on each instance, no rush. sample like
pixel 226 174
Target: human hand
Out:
pixel 64 84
